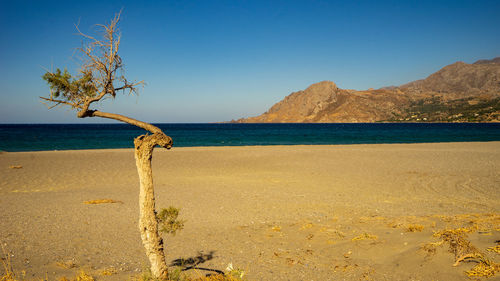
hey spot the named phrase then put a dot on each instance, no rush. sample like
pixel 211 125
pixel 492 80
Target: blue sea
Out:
pixel 38 137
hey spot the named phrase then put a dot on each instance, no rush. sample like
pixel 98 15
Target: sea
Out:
pixel 49 137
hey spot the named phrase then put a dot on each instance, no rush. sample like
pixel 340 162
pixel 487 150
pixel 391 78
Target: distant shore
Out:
pixel 301 212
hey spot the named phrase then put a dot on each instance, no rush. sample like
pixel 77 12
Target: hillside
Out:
pixel 459 92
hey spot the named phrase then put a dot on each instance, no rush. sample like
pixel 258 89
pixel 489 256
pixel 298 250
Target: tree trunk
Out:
pixel 148 223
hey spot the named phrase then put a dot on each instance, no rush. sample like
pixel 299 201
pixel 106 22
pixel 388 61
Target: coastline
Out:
pixel 281 212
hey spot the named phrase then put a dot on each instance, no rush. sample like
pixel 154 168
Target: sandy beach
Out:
pixel 344 212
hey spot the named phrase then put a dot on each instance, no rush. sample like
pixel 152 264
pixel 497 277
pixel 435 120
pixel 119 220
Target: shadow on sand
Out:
pixel 193 262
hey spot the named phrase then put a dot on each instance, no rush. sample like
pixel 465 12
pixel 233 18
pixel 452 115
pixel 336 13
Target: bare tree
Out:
pixel 100 77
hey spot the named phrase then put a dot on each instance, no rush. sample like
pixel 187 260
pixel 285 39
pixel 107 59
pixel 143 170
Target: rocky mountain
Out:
pixel 459 92
pixel 461 79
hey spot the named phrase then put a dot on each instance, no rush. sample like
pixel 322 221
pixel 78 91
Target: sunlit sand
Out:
pixel 277 212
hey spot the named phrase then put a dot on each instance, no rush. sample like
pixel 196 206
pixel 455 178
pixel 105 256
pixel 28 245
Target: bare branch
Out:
pixel 128 86
pixel 95 41
pixel 101 68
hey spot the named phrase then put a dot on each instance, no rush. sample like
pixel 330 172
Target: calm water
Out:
pixel 37 137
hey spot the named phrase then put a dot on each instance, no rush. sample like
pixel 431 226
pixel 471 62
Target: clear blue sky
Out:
pixel 209 61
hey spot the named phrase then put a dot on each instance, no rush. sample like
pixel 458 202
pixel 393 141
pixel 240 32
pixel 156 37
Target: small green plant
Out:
pixel 169 221
pixel 176 274
pixel 234 273
pixel 146 275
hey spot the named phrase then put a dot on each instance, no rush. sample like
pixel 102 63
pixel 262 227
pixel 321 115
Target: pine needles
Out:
pixel 168 220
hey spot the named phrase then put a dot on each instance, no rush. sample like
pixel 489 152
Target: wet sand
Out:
pixel 278 212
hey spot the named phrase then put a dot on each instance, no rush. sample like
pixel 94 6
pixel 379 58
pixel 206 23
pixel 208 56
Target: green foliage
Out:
pixel 168 220
pixel 63 84
pixel 470 109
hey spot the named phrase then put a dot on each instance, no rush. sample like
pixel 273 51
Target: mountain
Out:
pixel 459 92
pixel 481 77
pixel 495 60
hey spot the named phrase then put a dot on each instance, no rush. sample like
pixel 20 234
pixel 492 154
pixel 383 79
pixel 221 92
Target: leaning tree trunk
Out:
pixel 148 223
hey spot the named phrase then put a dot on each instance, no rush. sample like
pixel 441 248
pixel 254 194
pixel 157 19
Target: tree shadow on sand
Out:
pixel 193 262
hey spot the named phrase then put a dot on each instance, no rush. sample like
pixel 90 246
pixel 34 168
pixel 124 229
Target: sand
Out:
pixel 277 212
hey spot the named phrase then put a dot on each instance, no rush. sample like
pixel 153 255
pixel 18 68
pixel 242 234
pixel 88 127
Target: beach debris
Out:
pixel 458 243
pixel 430 248
pixel 465 251
pixel 306 226
pixel 347 265
pixel 82 276
pixel 364 236
pixel 467 257
pixel 485 268
pixel 67 264
pixel 108 271
pixel 332 232
pixel 475 222
pixel 291 261
pixel 372 219
pixel 414 228
pixel 276 228
pixel 15 167
pixel 102 201
pixel 495 249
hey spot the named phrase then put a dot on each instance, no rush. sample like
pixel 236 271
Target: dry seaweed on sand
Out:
pixel 430 248
pixel 464 251
pixel 458 243
pixel 365 236
pixel 67 264
pixel 495 249
pixel 414 228
pixel 484 268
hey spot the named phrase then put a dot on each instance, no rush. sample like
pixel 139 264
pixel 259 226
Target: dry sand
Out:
pixel 278 212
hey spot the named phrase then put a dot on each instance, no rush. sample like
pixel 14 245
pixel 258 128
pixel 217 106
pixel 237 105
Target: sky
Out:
pixel 212 61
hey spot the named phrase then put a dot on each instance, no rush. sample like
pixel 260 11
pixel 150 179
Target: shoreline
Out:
pixel 244 146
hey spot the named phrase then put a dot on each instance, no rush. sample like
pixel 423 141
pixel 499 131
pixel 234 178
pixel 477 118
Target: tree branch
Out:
pixel 146 126
pixel 129 86
pixel 58 102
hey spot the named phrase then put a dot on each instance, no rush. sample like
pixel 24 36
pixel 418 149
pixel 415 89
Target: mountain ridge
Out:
pixel 458 92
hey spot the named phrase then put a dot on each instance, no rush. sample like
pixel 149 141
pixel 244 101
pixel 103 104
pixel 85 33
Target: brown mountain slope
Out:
pixel 461 79
pixel 324 102
pixel 457 92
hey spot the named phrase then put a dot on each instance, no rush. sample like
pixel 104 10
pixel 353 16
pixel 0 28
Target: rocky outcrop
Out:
pixel 303 106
